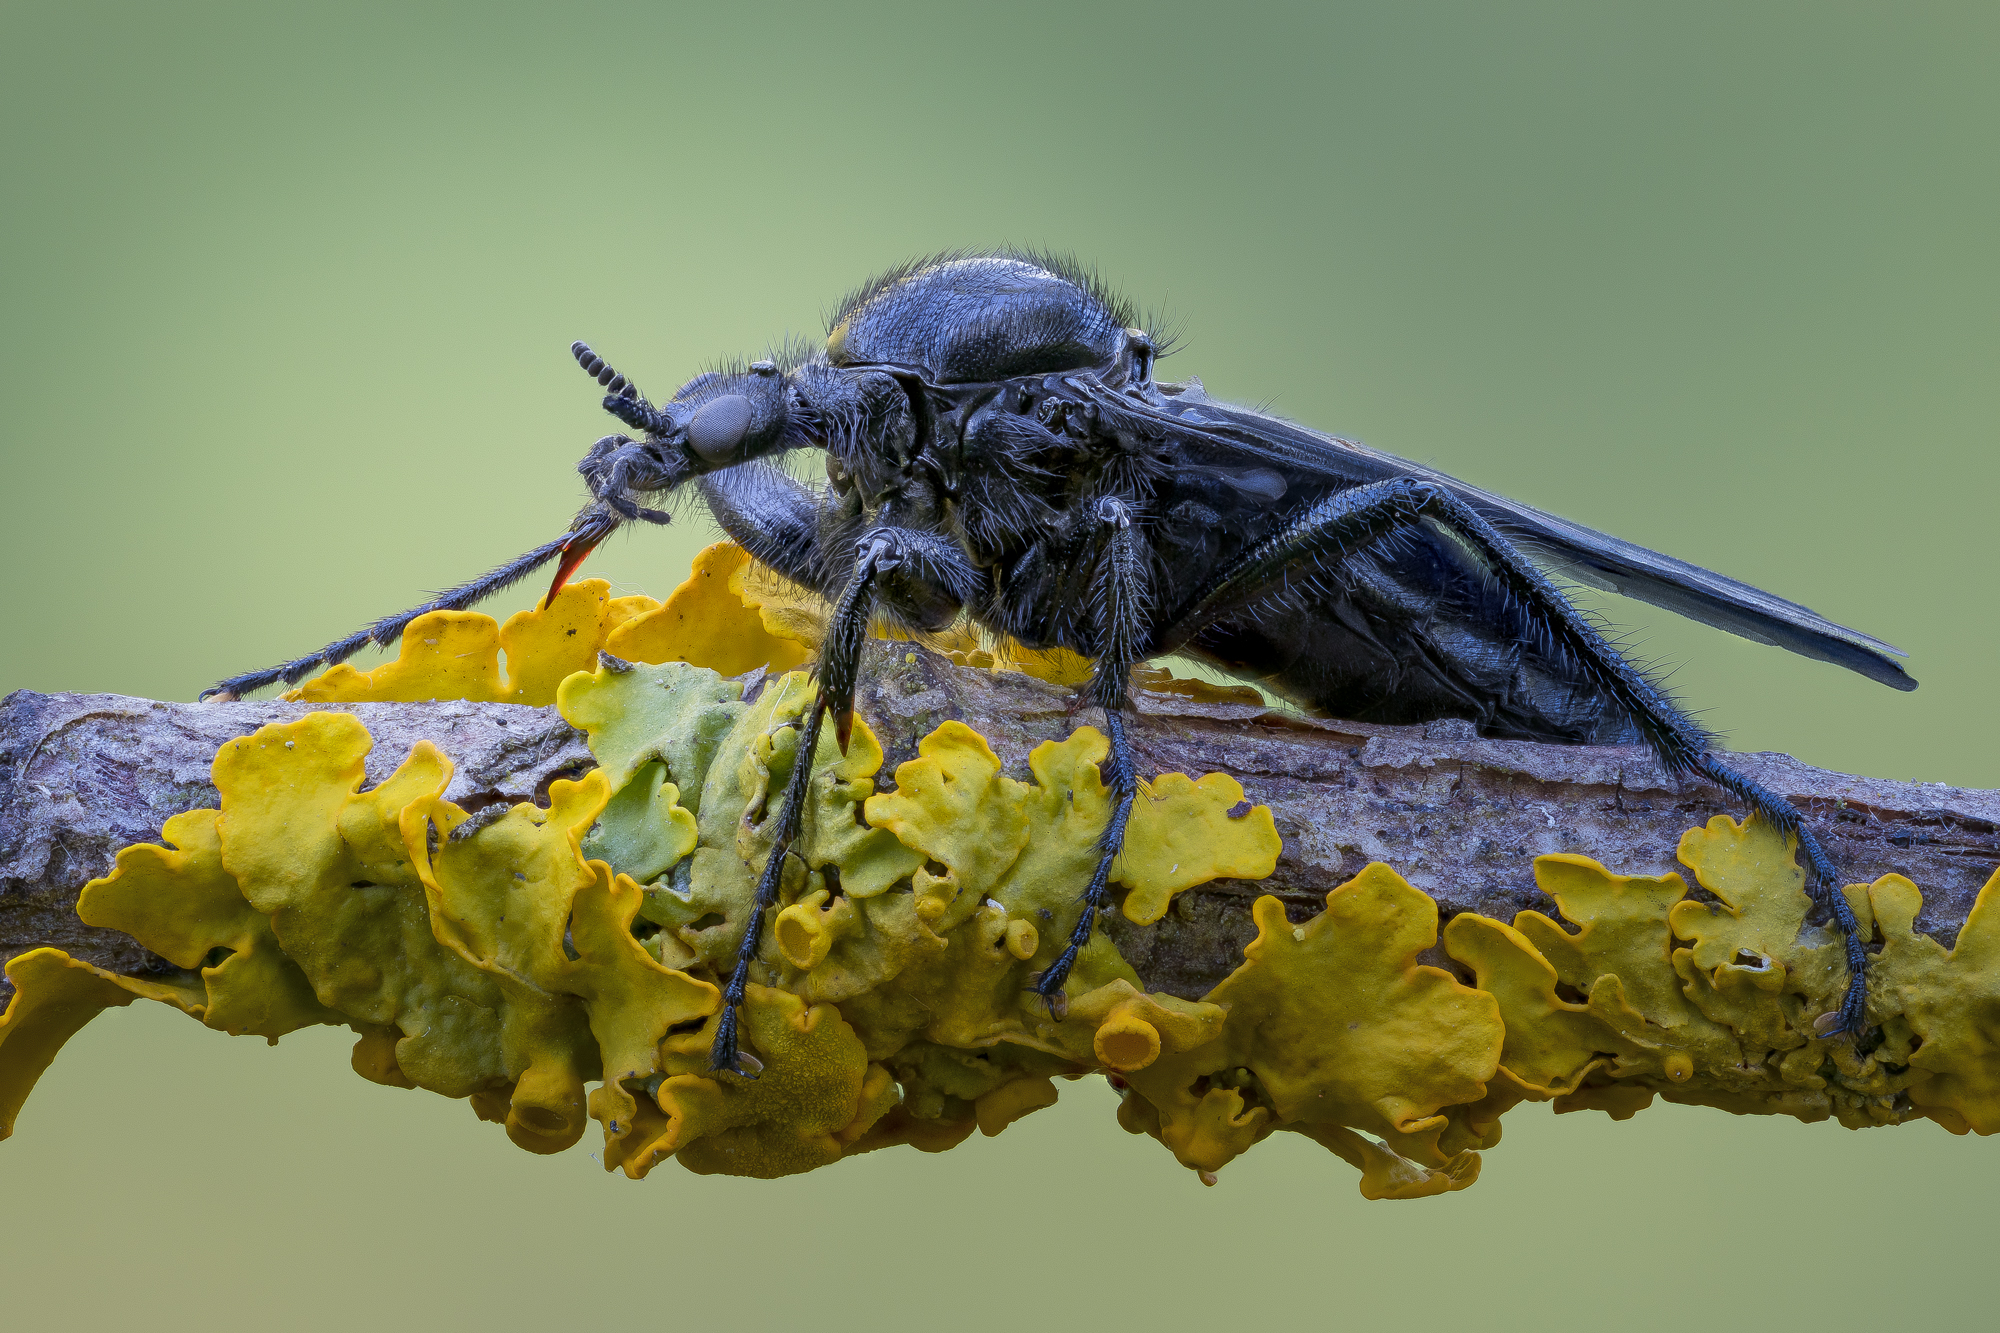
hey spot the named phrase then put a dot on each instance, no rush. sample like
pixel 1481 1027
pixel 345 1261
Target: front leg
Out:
pixel 883 550
pixel 925 581
pixel 1119 606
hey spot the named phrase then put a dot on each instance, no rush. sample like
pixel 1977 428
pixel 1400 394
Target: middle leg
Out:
pixel 1119 598
pixel 883 550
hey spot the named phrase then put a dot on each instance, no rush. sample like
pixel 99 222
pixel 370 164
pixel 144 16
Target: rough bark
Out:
pixel 1461 818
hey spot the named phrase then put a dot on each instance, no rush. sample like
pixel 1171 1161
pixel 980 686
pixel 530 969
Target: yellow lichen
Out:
pixel 497 960
pixel 1333 1027
pixel 54 996
pixel 785 1120
pixel 1550 1044
pixel 730 615
pixel 1388 1047
pixel 1621 918
pixel 456 654
pixel 1729 1020
pixel 330 868
pixel 706 622
pixel 1060 666
pixel 924 959
pixel 1183 833
pixel 1162 681
pixel 180 903
pixel 514 959
pixel 787 612
pixel 1939 1010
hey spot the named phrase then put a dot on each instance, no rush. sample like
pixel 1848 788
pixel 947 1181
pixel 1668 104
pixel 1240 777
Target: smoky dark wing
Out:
pixel 1569 549
pixel 1603 561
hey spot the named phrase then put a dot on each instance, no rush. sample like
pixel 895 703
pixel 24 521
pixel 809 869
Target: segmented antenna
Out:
pixel 595 366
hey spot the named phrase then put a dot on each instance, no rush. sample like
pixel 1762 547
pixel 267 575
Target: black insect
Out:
pixel 998 449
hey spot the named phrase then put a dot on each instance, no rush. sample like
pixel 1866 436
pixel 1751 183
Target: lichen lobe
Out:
pixel 514 960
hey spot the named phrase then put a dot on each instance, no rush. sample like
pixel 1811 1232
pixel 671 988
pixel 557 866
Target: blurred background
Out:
pixel 288 296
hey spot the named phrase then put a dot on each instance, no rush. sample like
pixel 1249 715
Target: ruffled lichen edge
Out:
pixel 891 1006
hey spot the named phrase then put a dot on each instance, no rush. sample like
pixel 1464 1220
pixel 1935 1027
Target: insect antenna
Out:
pixel 600 370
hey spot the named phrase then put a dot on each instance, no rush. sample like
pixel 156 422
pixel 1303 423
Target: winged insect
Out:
pixel 998 450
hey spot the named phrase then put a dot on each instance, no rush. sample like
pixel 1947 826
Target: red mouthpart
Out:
pixel 574 552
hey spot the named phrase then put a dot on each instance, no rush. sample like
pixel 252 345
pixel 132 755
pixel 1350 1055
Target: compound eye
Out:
pixel 719 427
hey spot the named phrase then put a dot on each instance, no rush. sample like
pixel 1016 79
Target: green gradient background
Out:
pixel 287 298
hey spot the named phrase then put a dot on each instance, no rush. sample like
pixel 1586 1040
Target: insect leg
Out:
pixel 1331 528
pixel 725 1053
pixel 1119 606
pixel 881 551
pixel 782 524
pixel 805 535
pixel 1822 880
pixel 592 526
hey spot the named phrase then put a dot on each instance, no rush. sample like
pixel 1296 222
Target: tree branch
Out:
pixel 1460 818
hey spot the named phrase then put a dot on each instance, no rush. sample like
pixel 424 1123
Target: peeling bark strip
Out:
pixel 1460 818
